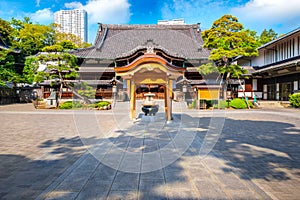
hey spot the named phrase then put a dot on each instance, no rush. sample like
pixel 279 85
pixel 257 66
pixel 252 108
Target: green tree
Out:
pixel 8 71
pixel 227 39
pixel 61 67
pixel 5 32
pixel 67 45
pixel 267 36
pixel 10 59
pixel 30 69
pixel 53 48
pixel 61 38
pixel 31 38
pixel 60 47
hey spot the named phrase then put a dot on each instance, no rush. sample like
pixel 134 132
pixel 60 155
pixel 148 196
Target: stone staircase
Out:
pixel 273 104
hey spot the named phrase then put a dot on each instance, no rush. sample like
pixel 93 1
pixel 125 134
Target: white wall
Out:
pixel 280 50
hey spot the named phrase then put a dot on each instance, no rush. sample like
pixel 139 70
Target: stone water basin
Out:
pixel 149 106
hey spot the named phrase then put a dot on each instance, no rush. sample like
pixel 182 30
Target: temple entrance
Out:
pixel 157 90
pixel 150 74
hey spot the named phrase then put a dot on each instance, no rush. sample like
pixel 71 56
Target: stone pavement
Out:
pixel 56 154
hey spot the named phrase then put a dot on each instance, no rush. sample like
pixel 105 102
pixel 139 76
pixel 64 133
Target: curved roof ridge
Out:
pixel 149 26
pixel 159 47
pixel 119 41
pixel 103 38
pixel 195 39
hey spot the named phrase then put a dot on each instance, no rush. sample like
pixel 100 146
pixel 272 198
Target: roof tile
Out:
pixel 117 41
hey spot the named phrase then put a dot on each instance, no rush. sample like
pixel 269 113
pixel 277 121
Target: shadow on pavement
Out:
pixel 253 149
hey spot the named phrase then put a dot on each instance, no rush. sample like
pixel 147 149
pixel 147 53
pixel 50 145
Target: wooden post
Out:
pixel 169 118
pixel 128 87
pixel 132 100
pixel 168 107
pixel 165 98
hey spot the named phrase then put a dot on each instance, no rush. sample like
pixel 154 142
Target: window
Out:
pixel 296 85
pixel 293 47
pixel 298 45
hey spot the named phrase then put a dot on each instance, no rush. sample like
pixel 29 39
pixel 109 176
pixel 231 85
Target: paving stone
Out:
pixel 158 174
pixel 174 176
pixel 94 189
pixel 178 194
pixel 78 178
pixel 105 173
pixel 152 189
pixel 236 194
pixel 230 182
pixel 131 162
pixel 209 189
pixel 60 195
pixel 256 157
pixel 121 195
pixel 151 161
pixel 126 181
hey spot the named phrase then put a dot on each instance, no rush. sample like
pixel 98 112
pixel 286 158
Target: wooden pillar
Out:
pixel 166 100
pixel 168 103
pixel 132 100
pixel 169 118
pixel 128 87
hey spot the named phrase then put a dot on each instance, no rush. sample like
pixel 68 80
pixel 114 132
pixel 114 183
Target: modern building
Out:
pixel 171 22
pixel 73 21
pixel 276 71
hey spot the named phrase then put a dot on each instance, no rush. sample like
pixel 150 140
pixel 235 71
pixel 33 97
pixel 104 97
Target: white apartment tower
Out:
pixel 73 21
pixel 171 22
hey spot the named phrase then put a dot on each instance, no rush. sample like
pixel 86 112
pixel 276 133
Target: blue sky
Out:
pixel 280 15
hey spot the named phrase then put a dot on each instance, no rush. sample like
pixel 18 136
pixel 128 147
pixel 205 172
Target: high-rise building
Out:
pixel 171 22
pixel 73 21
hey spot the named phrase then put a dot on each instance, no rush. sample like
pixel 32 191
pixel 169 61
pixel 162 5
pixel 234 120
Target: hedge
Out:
pixel 295 100
pixel 70 105
pixel 101 104
pixel 238 103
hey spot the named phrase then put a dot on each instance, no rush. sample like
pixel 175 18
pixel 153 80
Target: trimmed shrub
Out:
pixel 70 105
pixel 295 100
pixel 66 105
pixel 223 104
pixel 238 103
pixel 101 104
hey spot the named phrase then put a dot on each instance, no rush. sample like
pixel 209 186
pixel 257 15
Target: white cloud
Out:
pixel 280 15
pixel 44 16
pixel 194 11
pixel 73 5
pixel 269 11
pixel 275 13
pixel 104 11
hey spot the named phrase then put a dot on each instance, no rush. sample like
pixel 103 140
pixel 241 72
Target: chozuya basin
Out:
pixel 149 105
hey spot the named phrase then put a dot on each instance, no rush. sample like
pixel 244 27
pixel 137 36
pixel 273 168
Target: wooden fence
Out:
pixel 15 95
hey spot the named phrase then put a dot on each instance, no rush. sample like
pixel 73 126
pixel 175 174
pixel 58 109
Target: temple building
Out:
pixel 137 59
pixel 276 71
pixel 128 61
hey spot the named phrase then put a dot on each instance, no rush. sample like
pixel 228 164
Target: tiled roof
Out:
pixel 117 41
pixel 280 38
pixel 278 66
pixel 96 69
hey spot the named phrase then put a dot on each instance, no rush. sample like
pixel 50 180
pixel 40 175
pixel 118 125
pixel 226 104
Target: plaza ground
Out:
pixel 51 154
